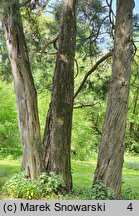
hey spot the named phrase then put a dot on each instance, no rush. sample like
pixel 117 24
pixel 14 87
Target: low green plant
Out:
pixel 19 186
pixel 99 191
pixel 128 194
pixel 50 184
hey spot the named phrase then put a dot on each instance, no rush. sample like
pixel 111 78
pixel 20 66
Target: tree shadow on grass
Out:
pixel 7 170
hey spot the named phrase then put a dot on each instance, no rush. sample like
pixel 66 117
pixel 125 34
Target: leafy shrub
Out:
pixel 128 194
pixel 132 145
pixel 50 184
pixel 20 186
pixel 135 148
pixel 99 191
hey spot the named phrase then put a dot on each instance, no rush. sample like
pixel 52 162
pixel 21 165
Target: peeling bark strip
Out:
pixel 26 96
pixel 57 137
pixel 111 152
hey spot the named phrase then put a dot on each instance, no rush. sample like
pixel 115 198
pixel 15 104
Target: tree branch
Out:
pixel 111 16
pixel 84 105
pixel 77 66
pixel 24 4
pixel 109 54
pixel 53 41
pixel 97 130
pixel 95 35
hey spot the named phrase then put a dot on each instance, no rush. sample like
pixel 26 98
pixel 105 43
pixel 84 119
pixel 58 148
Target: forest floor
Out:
pixel 82 172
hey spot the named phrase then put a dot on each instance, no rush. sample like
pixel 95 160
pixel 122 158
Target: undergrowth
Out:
pixel 50 186
pixel 19 186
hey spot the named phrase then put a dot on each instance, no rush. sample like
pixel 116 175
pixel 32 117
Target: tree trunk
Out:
pixel 111 152
pixel 26 96
pixel 57 137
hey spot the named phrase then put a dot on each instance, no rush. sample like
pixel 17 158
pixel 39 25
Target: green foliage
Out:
pixel 128 194
pixel 87 122
pixel 87 127
pixel 131 144
pixel 8 168
pixel 5 71
pixel 43 106
pixel 100 192
pixel 9 135
pixel 50 184
pixel 89 21
pixel 82 179
pixel 19 186
pixel 132 129
pixel 10 153
pixel 39 31
pixel 82 135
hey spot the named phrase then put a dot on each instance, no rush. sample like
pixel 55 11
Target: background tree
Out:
pixel 111 152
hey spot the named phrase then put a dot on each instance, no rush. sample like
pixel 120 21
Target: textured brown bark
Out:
pixel 57 137
pixel 26 96
pixel 111 152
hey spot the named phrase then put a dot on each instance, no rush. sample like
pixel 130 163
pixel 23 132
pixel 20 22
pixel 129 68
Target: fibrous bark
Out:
pixel 111 152
pixel 57 137
pixel 26 96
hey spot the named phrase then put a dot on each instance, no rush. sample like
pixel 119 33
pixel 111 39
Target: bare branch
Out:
pixel 77 67
pixel 109 54
pixel 135 48
pixel 111 16
pixel 98 31
pixel 84 105
pixel 53 41
pixel 97 130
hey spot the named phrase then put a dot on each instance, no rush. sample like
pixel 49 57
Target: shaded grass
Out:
pixel 131 173
pixel 82 173
pixel 8 168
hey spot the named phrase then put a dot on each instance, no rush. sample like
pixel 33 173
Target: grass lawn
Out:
pixel 82 172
